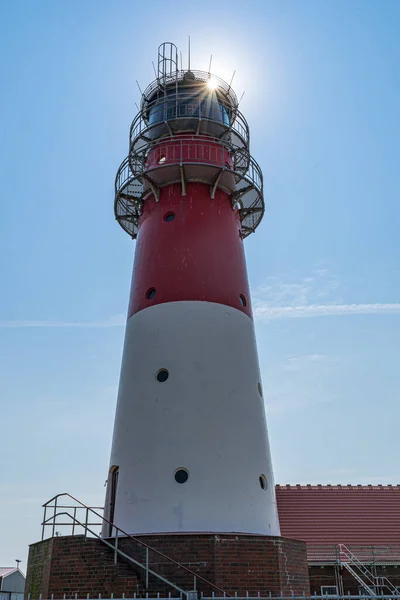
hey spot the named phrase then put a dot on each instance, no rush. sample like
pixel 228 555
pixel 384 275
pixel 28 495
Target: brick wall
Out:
pixel 236 563
pixel 73 565
pixel 39 561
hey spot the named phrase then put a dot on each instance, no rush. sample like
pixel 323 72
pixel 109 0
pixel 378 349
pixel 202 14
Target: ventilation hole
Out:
pixel 162 375
pixel 170 216
pixel 263 482
pixel 151 292
pixel 259 389
pixel 161 160
pixel 181 475
pixel 243 300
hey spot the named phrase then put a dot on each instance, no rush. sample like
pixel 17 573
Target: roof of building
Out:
pixel 340 514
pixel 4 571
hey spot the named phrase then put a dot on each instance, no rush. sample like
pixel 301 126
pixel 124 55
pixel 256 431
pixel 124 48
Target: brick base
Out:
pixel 235 563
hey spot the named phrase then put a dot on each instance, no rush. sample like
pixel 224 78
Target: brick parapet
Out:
pixel 235 563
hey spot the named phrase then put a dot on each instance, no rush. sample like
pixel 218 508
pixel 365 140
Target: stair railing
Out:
pixel 350 561
pixel 52 522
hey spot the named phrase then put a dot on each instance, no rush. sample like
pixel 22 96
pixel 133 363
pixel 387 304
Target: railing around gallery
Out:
pixel 190 115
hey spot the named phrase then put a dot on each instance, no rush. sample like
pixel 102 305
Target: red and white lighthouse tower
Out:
pixel 190 450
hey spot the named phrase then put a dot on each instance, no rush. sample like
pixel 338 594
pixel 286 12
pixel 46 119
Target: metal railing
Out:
pixel 183 159
pixel 183 113
pixel 59 510
pixel 362 573
pixel 371 554
pixel 179 76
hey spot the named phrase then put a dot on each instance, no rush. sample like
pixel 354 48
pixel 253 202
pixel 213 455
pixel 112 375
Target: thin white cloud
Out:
pixel 267 312
pixel 262 312
pixel 116 321
pixel 317 295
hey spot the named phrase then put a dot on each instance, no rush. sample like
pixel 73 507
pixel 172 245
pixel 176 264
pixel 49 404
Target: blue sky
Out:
pixel 323 104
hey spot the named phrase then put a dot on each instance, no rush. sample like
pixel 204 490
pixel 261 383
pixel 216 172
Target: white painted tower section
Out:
pixel 208 417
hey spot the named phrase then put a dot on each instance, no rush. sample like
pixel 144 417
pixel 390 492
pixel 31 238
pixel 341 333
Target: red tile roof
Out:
pixel 340 514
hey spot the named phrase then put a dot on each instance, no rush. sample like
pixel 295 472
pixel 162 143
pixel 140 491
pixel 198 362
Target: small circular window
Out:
pixel 181 475
pixel 170 216
pixel 151 292
pixel 263 482
pixel 162 375
pixel 161 160
pixel 243 300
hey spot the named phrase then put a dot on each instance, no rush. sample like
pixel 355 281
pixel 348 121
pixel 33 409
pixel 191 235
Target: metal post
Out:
pixel 54 517
pixel 147 568
pixel 73 522
pixel 86 521
pixel 44 521
pixel 116 547
pixel 194 583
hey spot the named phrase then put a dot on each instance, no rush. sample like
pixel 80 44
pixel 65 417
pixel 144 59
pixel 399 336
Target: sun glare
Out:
pixel 212 84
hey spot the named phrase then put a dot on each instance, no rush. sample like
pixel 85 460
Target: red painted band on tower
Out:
pixel 197 254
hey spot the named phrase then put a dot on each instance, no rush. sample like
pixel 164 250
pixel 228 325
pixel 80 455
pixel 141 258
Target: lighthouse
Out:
pixel 190 450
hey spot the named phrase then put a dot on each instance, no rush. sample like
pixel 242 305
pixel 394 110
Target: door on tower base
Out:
pixel 114 472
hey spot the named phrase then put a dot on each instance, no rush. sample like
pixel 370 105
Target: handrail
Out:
pixel 141 128
pixel 117 550
pixel 351 560
pixel 158 552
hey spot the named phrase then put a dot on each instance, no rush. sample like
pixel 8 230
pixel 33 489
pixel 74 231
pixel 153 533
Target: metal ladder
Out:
pixel 59 510
pixel 372 584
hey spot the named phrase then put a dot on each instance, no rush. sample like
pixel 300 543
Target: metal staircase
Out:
pixel 372 584
pixel 91 518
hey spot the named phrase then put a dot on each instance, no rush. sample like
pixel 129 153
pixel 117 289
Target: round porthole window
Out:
pixel 243 300
pixel 181 475
pixel 162 375
pixel 263 482
pixel 170 216
pixel 151 292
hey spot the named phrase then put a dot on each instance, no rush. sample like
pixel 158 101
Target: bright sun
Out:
pixel 211 84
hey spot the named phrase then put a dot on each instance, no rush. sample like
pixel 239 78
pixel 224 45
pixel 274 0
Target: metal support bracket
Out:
pixel 216 182
pixel 237 196
pixel 171 133
pixel 153 186
pixel 183 179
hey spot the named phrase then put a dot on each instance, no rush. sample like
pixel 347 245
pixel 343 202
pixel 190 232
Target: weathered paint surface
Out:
pixel 207 417
pixel 199 255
